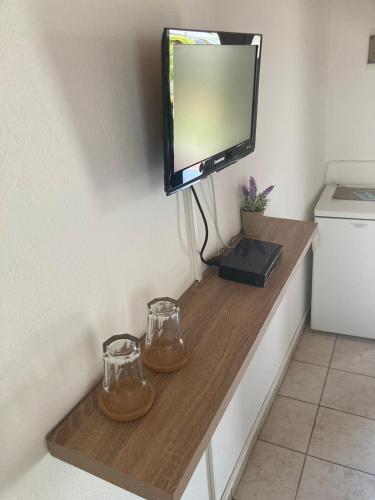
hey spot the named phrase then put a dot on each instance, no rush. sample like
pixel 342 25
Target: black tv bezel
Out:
pixel 174 181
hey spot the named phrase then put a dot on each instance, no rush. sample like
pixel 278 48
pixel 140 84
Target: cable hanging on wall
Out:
pixel 205 225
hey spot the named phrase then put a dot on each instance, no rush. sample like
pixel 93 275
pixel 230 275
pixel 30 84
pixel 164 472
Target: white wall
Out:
pixel 87 235
pixel 351 82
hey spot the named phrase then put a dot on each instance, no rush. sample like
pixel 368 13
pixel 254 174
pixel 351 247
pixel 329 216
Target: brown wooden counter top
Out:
pixel 223 321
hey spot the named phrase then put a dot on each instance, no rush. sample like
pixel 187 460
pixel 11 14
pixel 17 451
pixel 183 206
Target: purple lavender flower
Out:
pixel 267 191
pixel 252 188
pixel 244 190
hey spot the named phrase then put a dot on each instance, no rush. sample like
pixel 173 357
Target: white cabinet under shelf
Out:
pixel 238 420
pixel 198 487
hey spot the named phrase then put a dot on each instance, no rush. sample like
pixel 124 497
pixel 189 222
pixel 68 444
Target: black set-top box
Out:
pixel 250 261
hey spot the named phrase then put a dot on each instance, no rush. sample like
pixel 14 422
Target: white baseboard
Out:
pixel 262 415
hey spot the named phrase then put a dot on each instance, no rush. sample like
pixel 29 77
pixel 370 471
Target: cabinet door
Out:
pixel 198 488
pixel 343 298
pixel 236 424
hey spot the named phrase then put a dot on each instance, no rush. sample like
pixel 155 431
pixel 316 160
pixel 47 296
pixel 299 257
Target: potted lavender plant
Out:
pixel 253 205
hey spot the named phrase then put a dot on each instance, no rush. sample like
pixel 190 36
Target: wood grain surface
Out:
pixel 223 322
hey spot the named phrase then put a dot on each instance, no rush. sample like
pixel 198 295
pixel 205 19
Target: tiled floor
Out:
pixel 318 442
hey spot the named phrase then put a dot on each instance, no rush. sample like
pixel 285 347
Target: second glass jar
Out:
pixel 164 350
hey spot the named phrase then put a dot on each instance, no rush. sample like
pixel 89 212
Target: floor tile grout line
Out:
pixel 315 419
pixel 313 456
pixel 340 410
pixel 281 446
pixel 304 458
pixel 296 399
pixel 326 406
pixel 332 353
pixel 353 373
pixel 310 363
pixel 355 338
pixel 341 465
pixel 307 363
pixel 325 380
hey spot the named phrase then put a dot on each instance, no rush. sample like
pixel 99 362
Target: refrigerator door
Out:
pixel 343 287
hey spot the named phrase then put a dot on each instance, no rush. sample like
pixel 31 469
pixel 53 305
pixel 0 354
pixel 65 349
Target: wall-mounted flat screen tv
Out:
pixel 210 95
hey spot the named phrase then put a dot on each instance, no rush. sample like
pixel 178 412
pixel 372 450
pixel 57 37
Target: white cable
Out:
pixel 191 227
pixel 214 217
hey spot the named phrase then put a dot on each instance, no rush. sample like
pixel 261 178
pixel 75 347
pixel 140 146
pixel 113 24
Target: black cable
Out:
pixel 205 225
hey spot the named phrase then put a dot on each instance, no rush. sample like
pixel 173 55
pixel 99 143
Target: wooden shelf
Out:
pixel 224 321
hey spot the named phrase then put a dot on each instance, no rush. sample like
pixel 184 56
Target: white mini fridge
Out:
pixel 343 285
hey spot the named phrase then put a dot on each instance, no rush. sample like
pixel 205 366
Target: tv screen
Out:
pixel 210 85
